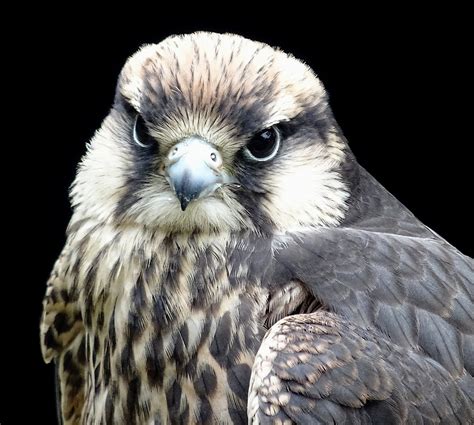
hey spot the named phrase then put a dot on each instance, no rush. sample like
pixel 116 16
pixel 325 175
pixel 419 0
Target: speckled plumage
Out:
pixel 157 315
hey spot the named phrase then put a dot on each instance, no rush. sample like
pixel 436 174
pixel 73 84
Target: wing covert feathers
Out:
pixel 321 368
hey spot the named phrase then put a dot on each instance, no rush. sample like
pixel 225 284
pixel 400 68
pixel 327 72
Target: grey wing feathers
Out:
pixel 320 368
pixel 417 291
pixel 394 340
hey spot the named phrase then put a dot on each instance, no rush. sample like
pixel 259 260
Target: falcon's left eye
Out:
pixel 264 145
pixel 141 136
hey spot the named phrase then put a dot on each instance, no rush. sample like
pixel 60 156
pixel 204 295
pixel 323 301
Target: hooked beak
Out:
pixel 194 170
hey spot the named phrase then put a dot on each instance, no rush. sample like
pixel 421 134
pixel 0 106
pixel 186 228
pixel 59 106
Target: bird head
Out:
pixel 212 132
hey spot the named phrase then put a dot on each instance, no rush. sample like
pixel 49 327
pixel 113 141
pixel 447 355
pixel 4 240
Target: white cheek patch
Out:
pixel 101 180
pixel 306 189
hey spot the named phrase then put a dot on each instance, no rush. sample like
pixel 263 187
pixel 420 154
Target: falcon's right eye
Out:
pixel 141 135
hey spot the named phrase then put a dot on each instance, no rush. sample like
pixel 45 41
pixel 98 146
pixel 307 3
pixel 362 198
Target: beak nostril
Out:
pixel 174 154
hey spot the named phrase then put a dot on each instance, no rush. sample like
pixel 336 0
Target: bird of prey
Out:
pixel 228 261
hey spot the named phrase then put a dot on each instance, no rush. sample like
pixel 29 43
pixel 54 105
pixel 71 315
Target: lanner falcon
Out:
pixel 228 261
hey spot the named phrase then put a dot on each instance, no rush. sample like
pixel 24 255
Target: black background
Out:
pixel 397 82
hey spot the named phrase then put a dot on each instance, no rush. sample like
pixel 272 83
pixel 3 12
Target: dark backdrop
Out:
pixel 397 84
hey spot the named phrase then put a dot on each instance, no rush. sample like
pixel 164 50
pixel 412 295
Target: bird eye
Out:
pixel 141 136
pixel 264 145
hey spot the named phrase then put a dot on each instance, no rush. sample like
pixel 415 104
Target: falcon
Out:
pixel 228 261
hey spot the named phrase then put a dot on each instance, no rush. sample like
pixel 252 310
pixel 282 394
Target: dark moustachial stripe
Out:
pixel 144 161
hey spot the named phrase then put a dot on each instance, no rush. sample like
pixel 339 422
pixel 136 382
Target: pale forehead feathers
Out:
pixel 209 79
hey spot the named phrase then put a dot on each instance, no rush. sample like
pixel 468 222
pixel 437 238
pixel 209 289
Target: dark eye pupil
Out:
pixel 140 132
pixel 263 143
